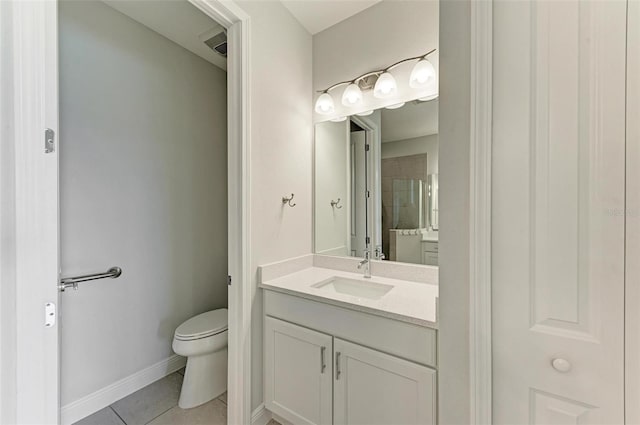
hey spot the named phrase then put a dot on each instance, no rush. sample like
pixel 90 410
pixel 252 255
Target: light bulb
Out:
pixel 385 86
pixel 352 95
pixel 396 106
pixel 365 113
pixel 341 119
pixel 324 104
pixel 423 74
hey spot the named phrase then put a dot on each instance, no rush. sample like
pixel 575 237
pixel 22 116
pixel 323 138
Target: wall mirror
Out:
pixel 376 184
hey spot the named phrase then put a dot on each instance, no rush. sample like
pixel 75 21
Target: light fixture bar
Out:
pixel 377 72
pixel 389 68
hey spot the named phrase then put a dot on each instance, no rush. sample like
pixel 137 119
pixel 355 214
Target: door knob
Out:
pixel 561 365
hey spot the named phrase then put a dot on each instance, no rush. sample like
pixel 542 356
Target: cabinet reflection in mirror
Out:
pixel 383 169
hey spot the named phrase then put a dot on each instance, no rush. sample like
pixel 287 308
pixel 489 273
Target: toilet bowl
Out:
pixel 203 340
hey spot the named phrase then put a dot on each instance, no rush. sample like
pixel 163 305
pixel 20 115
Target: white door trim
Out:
pixel 29 213
pixel 237 22
pixel 374 179
pixel 632 220
pixel 480 212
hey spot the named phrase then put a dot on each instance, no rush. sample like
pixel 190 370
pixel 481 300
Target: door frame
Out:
pixel 632 220
pixel 374 178
pixel 29 213
pixel 237 23
pixel 481 104
pixel 27 395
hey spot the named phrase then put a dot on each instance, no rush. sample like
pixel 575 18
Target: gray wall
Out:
pixel 424 144
pixel 143 186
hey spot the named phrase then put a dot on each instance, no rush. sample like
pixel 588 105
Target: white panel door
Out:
pixel 373 388
pixel 558 212
pixel 298 372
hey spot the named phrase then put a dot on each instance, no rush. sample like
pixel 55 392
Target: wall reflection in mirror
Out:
pixel 376 185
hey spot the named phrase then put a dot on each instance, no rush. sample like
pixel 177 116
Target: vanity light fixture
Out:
pixel 365 113
pixel 341 119
pixel 428 98
pixel 352 95
pixel 324 104
pixel 386 86
pixel 383 82
pixel 423 74
pixel 396 106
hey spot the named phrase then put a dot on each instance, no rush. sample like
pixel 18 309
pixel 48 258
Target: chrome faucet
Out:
pixel 366 262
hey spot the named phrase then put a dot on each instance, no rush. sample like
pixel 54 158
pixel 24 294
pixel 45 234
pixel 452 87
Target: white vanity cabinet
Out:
pixel 430 253
pixel 298 372
pixel 374 388
pixel 330 365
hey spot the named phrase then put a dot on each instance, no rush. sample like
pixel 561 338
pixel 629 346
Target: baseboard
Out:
pixel 260 416
pixel 106 396
pixel 280 419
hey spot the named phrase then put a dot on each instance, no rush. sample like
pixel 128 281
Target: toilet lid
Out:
pixel 203 325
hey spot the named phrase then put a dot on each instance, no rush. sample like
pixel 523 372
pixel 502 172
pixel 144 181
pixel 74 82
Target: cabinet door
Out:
pixel 298 373
pixel 430 258
pixel 372 388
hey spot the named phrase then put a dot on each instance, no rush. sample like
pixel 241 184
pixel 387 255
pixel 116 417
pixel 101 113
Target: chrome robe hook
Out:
pixel 287 200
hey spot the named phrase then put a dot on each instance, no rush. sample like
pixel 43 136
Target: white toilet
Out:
pixel 203 340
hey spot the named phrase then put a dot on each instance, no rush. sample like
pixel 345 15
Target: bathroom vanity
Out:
pixel 340 348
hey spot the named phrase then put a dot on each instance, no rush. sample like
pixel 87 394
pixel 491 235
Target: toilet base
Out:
pixel 205 378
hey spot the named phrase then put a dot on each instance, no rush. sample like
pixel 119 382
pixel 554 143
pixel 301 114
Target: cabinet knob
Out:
pixel 561 365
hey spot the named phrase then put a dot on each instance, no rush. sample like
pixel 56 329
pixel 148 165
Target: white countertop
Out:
pixel 412 302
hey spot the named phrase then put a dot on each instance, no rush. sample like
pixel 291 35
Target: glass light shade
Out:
pixel 352 95
pixel 422 75
pixel 396 106
pixel 339 119
pixel 324 104
pixel 428 98
pixel 385 86
pixel 365 113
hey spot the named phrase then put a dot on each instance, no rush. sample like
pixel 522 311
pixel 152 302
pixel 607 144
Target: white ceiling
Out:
pixel 318 15
pixel 412 120
pixel 178 20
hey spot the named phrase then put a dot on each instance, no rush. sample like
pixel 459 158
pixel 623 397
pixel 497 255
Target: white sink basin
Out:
pixel 358 288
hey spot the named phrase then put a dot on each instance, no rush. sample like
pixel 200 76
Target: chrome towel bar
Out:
pixel 72 282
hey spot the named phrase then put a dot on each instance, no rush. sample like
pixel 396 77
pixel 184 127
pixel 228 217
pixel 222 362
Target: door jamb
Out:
pixel 374 212
pixel 480 212
pixel 237 23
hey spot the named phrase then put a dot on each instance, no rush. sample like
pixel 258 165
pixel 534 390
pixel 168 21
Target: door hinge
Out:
pixel 49 314
pixel 49 140
pixel 368 194
pixel 229 280
pixel 367 147
pixel 367 240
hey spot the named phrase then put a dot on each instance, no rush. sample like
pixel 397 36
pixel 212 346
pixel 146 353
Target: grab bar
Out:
pixel 72 282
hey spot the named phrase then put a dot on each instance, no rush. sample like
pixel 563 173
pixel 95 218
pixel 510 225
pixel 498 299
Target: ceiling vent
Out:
pixel 218 43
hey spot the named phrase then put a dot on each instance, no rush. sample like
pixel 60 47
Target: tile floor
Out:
pixel 157 404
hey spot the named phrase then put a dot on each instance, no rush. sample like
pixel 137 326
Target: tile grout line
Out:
pixel 116 413
pixel 156 417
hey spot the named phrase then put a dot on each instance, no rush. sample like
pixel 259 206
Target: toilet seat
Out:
pixel 203 325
